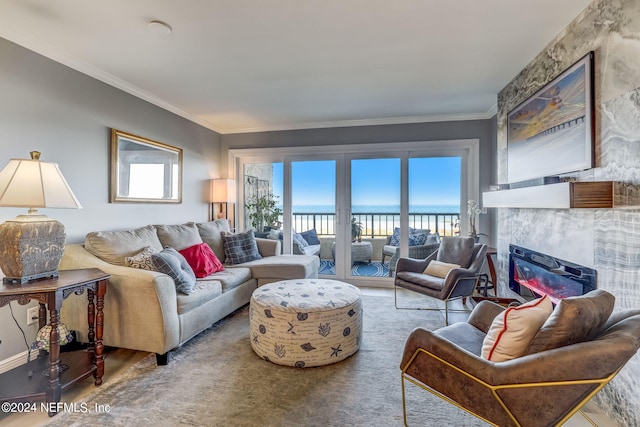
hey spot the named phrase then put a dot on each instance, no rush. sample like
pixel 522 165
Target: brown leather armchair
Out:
pixel 541 388
pixel 458 282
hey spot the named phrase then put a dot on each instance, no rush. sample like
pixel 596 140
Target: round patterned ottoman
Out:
pixel 306 322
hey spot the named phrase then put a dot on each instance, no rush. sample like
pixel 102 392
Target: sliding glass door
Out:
pixel 434 194
pixel 375 212
pixel 359 212
pixel 313 211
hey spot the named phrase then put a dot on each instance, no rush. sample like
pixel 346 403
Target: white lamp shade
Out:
pixel 35 184
pixel 223 191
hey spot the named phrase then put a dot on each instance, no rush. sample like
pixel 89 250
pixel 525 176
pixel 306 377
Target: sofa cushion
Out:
pixel 114 246
pixel 211 234
pixel 240 248
pixel 179 236
pixel 170 262
pixel 230 277
pixel 311 250
pixel 456 250
pixel 463 335
pixel 142 259
pixel 574 320
pixel 203 292
pixel 202 259
pixel 285 267
pixel 439 268
pixel 390 249
pixel 512 330
pixel 421 279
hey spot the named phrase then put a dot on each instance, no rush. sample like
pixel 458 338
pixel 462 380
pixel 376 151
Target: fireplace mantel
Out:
pixel 563 195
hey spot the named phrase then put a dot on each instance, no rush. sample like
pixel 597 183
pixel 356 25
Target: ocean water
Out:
pixel 384 209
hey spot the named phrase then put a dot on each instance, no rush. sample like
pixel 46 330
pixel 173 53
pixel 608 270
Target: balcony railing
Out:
pixel 379 224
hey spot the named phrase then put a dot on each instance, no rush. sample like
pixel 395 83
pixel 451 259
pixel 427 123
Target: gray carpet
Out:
pixel 216 380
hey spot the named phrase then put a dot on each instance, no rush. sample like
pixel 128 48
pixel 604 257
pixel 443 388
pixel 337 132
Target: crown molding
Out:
pixel 492 111
pixel 364 122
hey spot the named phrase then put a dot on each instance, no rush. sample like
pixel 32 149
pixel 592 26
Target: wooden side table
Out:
pixel 43 378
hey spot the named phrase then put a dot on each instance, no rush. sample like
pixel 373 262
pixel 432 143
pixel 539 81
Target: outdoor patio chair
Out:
pixel 416 251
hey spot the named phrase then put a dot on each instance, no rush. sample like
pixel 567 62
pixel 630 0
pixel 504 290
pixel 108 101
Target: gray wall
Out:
pixel 605 239
pixel 436 131
pixel 67 115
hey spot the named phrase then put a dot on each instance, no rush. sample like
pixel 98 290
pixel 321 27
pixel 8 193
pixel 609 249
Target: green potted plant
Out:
pixel 356 229
pixel 263 212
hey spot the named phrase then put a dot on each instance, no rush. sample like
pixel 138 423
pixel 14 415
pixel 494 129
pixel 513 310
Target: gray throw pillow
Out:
pixel 179 236
pixel 114 246
pixel 173 264
pixel 240 247
pixel 211 234
pixel 574 320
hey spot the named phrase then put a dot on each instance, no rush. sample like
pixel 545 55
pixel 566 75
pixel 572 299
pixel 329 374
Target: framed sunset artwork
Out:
pixel 552 132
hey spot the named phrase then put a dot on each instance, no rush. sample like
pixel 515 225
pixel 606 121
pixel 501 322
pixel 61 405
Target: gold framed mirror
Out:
pixel 144 171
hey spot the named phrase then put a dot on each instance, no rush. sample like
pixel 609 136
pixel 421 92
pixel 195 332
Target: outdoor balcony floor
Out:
pixel 372 269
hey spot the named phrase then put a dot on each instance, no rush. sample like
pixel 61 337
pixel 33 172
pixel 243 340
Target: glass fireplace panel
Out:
pixel 547 275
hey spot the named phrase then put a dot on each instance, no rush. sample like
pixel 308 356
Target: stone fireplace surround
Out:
pixel 607 240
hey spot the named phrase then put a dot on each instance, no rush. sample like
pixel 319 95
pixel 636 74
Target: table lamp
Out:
pixel 41 342
pixel 31 245
pixel 222 191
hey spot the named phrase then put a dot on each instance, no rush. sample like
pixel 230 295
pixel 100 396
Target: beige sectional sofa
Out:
pixel 144 311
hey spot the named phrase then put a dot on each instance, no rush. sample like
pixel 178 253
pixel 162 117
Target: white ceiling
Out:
pixel 253 65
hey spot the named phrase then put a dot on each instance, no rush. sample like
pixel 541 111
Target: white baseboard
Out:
pixel 15 361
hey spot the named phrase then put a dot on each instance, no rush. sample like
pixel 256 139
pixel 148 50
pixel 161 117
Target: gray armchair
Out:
pixel 418 251
pixel 458 282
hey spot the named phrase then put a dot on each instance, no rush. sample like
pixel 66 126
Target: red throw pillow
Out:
pixel 202 259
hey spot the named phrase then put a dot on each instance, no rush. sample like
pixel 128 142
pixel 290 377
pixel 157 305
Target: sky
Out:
pixel 432 181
